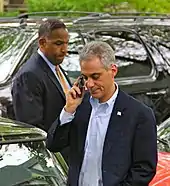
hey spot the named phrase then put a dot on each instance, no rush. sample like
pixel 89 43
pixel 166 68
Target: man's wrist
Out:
pixel 69 109
pixel 66 117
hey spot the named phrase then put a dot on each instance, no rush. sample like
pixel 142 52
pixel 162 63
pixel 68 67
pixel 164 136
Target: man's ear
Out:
pixel 42 42
pixel 114 69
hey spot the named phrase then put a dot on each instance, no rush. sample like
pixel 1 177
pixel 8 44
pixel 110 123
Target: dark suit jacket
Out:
pixel 130 149
pixel 38 97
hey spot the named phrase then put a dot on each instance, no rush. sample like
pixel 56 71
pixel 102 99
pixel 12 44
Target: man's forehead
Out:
pixel 59 33
pixel 61 39
pixel 93 63
pixel 91 71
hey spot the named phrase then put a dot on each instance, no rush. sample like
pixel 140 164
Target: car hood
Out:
pixel 162 176
pixel 12 131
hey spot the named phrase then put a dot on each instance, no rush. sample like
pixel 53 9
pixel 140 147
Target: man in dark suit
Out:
pixel 38 92
pixel 112 136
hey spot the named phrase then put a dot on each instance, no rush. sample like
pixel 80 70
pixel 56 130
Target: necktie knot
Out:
pixel 57 67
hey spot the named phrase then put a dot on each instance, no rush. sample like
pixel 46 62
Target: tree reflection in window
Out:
pixel 131 55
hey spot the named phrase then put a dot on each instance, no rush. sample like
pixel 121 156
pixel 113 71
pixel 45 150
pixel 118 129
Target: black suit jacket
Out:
pixel 37 95
pixel 130 149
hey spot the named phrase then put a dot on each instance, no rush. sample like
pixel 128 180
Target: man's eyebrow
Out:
pixel 59 40
pixel 96 73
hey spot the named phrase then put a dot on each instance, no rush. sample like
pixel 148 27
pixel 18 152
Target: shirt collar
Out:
pixel 95 102
pixel 52 67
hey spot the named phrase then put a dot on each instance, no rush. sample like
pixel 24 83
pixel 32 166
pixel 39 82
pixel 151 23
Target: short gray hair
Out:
pixel 99 49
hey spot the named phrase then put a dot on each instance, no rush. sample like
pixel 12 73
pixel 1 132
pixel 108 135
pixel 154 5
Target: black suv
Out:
pixel 141 44
pixel 24 159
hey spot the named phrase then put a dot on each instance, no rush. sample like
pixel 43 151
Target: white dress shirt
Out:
pixel 91 172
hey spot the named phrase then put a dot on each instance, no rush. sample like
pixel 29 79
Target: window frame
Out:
pixel 132 79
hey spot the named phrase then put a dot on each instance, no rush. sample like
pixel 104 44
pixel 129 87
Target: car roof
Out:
pixel 13 132
pixel 97 18
pixel 89 20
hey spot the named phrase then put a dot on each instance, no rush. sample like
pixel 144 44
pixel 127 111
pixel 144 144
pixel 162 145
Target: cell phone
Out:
pixel 80 84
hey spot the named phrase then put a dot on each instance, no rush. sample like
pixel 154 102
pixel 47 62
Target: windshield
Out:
pixel 164 136
pixel 29 163
pixel 12 41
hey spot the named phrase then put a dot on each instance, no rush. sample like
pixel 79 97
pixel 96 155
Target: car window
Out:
pixel 158 38
pixel 30 50
pixel 71 61
pixel 12 40
pixel 29 163
pixel 131 55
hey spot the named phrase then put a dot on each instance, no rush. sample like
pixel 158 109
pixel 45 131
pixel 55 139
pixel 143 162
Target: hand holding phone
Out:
pixel 74 98
pixel 80 84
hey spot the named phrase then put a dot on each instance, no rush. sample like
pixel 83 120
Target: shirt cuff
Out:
pixel 66 117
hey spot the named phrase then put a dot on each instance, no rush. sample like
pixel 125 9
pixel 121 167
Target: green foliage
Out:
pixel 47 5
pixel 9 14
pixel 162 6
pixel 99 6
pixel 88 5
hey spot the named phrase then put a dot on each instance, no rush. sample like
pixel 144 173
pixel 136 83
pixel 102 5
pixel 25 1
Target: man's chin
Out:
pixel 60 60
pixel 95 95
pixel 57 62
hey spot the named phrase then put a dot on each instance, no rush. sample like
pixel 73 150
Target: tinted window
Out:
pixel 159 38
pixel 131 56
pixel 12 41
pixel 71 61
pixel 30 50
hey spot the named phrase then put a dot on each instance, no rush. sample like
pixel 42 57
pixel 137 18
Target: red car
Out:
pixel 162 177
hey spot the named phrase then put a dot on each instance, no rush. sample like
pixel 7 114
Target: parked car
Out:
pixel 162 177
pixel 24 159
pixel 141 46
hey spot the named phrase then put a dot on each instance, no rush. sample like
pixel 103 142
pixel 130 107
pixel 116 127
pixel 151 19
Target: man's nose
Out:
pixel 64 48
pixel 89 83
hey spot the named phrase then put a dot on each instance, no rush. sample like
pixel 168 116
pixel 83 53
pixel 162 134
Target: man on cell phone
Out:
pixel 112 136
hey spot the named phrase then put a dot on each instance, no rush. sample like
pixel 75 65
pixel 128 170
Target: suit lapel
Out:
pixel 51 75
pixel 115 123
pixel 56 82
